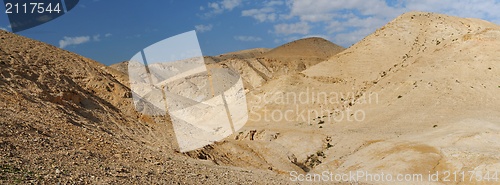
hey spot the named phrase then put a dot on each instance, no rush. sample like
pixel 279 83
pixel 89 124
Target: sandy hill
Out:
pixel 313 47
pixel 243 54
pixel 419 95
pixel 287 59
pixel 67 119
pixel 259 65
pixel 436 78
pixel 298 55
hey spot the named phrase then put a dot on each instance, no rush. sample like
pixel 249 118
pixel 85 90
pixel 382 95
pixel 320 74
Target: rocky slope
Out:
pixel 418 96
pixel 436 78
pixel 287 59
pixel 68 119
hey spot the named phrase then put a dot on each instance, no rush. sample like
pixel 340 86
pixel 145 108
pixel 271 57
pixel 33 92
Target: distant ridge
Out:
pixel 258 65
pixel 308 47
pixel 243 54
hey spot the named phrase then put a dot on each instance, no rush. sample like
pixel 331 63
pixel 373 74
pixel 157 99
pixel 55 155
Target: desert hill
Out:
pixel 417 96
pixel 259 65
pixel 67 119
pixel 287 59
pixel 298 55
pixel 436 77
pixel 243 54
pixel 313 47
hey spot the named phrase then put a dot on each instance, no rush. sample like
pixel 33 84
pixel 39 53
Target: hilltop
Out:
pixel 312 47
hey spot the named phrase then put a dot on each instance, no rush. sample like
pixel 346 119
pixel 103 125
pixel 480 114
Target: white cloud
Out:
pixel 216 8
pixel 345 22
pixel 338 19
pixel 108 35
pixel 317 17
pixel 266 13
pixel 230 4
pixel 312 8
pixel 297 28
pixel 274 3
pixel 203 28
pixel 262 15
pixel 247 38
pixel 221 6
pixel 67 41
pixel 96 37
pixel 335 27
pixel 351 20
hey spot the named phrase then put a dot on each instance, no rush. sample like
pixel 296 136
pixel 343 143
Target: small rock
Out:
pixel 58 171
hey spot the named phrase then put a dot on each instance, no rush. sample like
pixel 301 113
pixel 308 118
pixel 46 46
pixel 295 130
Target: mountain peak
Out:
pixel 307 47
pixel 411 35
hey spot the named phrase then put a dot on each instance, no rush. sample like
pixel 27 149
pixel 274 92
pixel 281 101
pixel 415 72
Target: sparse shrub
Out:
pixel 328 145
pixel 312 161
pixel 320 153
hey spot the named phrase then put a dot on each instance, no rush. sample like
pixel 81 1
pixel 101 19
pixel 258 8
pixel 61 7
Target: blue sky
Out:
pixel 111 31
